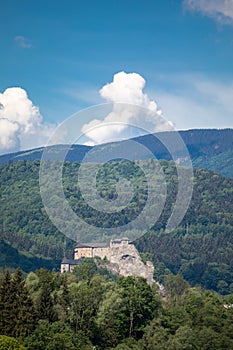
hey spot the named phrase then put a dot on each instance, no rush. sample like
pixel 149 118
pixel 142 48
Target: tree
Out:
pixel 184 339
pixel 61 300
pixel 86 270
pixel 45 306
pixel 6 317
pixel 22 305
pixel 56 336
pixel 9 343
pixel 175 287
pixel 139 304
pixel 82 309
pixel 108 319
pixel 129 344
pixel 155 336
pixel 65 298
pixel 207 338
pixel 17 310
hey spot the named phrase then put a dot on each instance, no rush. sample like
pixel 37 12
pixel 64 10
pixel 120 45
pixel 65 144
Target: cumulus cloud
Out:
pixel 23 42
pixel 133 112
pixel 128 88
pixel 8 135
pixel 21 124
pixel 220 10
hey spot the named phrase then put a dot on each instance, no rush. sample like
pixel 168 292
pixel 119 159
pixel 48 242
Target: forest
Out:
pixel 92 309
pixel 200 249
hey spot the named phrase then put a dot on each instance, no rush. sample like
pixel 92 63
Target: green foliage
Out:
pixel 45 305
pixel 112 315
pixel 9 343
pixel 56 336
pixel 24 222
pixel 199 323
pixel 129 344
pixel 175 287
pixel 6 324
pixel 109 316
pixel 220 163
pixel 86 270
pixel 17 311
pixel 203 256
pixel 13 258
pixel 140 305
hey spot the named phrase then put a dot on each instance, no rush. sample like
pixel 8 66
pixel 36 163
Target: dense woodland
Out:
pixel 201 249
pixel 91 309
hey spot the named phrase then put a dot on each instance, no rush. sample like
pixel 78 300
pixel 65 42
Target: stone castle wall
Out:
pixel 123 257
pixel 83 253
pixel 92 252
pixel 102 252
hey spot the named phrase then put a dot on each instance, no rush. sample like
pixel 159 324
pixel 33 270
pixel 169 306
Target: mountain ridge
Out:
pixel 210 149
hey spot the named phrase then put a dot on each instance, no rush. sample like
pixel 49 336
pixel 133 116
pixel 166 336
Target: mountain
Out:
pixel 201 248
pixel 11 258
pixel 209 149
pixel 76 154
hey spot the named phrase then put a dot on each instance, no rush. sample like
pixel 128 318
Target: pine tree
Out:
pixel 22 306
pixel 6 317
pixel 45 305
pixel 65 298
pixel 17 310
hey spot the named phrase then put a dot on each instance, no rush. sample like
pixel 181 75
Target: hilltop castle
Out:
pixel 122 255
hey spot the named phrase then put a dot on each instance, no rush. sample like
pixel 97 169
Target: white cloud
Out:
pixel 23 42
pixel 220 10
pixel 8 135
pixel 198 102
pixel 135 110
pixel 128 88
pixel 21 124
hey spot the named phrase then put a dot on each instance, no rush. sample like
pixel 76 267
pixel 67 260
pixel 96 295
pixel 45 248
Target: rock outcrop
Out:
pixel 126 261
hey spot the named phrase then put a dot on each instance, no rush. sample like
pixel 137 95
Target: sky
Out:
pixel 59 57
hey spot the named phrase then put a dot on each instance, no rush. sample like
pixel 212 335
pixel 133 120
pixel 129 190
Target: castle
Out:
pixel 122 255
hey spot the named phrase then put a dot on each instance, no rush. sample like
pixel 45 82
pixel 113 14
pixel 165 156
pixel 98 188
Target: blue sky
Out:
pixel 63 52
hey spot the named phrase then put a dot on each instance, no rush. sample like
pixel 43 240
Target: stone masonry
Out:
pixel 122 255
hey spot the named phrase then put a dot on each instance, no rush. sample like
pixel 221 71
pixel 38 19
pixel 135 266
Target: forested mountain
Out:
pixel 11 258
pixel 201 248
pixel 209 149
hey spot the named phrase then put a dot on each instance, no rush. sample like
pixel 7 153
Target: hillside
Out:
pixel 11 258
pixel 209 149
pixel 200 246
pixel 204 256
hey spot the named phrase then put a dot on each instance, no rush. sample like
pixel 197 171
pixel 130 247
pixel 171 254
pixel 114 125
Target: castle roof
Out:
pixel 91 245
pixel 70 261
pixel 119 240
